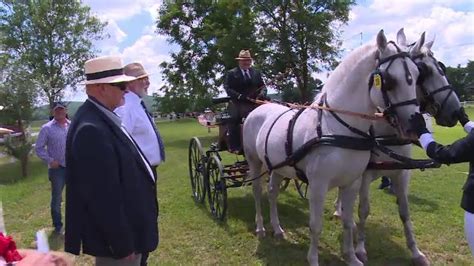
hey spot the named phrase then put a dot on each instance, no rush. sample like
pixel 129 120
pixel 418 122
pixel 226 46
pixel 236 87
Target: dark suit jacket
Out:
pixel 235 84
pixel 111 205
pixel 461 150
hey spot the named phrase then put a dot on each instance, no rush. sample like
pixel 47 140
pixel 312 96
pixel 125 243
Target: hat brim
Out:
pixel 113 79
pixel 244 58
pixel 59 106
pixel 142 76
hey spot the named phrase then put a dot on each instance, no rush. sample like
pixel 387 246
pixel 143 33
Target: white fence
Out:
pixel 467 104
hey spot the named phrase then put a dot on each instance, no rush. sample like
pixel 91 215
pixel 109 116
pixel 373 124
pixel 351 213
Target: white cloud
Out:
pixel 109 46
pixel 123 9
pixel 146 51
pixel 452 28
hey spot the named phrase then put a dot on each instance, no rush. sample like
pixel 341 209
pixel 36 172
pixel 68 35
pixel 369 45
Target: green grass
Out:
pixel 190 236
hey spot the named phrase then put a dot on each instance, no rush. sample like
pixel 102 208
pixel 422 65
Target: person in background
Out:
pixel 462 150
pixel 241 84
pixel 51 148
pixel 139 122
pixel 385 183
pixel 111 205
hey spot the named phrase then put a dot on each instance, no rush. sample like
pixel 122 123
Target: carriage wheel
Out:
pixel 197 170
pixel 284 184
pixel 302 188
pixel 217 194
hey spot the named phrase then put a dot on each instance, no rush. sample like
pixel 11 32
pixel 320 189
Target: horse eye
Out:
pixel 389 81
pixel 442 66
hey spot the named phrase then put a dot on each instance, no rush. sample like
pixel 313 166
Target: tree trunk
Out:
pixel 24 165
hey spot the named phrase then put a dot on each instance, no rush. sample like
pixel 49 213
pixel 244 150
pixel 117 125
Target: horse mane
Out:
pixel 347 65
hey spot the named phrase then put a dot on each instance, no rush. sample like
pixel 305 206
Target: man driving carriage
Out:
pixel 242 84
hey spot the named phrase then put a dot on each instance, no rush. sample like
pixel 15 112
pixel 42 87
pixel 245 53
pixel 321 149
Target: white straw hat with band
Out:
pixel 105 69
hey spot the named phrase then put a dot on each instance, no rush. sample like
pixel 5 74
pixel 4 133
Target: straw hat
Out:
pixel 244 55
pixel 135 70
pixel 105 69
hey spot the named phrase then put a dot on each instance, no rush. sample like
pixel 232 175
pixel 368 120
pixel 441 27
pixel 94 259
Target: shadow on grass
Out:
pixel 291 216
pixel 184 143
pixel 429 205
pixel 382 250
pixel 56 241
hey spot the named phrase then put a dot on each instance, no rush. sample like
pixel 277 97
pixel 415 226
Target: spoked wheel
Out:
pixel 284 184
pixel 197 170
pixel 217 188
pixel 302 188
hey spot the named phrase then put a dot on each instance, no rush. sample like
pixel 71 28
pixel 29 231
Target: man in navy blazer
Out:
pixel 111 205
pixel 241 84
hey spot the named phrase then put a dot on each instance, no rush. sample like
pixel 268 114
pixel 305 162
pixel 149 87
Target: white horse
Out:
pixel 265 132
pixel 431 82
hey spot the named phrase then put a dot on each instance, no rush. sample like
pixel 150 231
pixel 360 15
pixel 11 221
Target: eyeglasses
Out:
pixel 144 79
pixel 121 85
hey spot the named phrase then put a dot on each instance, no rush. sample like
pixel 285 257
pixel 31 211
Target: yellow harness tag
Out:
pixel 378 81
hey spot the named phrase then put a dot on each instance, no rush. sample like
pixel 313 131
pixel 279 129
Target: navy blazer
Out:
pixel 235 84
pixel 111 205
pixel 460 151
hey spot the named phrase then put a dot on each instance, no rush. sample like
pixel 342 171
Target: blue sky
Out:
pixel 131 26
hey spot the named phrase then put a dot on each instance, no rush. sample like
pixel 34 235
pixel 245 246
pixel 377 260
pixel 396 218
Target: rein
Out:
pixel 375 116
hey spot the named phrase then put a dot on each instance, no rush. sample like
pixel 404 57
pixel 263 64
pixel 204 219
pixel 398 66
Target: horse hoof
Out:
pixel 279 236
pixel 362 256
pixel 421 261
pixel 260 234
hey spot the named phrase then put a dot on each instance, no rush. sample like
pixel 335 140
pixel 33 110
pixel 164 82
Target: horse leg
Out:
pixel 273 190
pixel 255 166
pixel 337 205
pixel 316 206
pixel 400 186
pixel 364 210
pixel 348 197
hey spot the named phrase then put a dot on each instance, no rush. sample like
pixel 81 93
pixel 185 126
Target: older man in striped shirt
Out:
pixel 51 148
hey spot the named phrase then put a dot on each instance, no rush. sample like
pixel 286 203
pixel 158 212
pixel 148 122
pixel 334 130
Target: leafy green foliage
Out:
pixel 294 38
pixel 17 95
pixel 462 79
pixel 20 147
pixel 51 38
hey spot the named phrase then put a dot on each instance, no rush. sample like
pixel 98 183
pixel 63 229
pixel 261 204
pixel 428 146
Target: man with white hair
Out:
pixel 139 122
pixel 111 206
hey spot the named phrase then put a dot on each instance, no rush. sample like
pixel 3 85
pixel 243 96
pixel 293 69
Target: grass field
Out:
pixel 190 236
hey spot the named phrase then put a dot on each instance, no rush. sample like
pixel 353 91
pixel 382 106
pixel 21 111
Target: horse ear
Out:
pixel 401 38
pixel 381 41
pixel 429 45
pixel 419 44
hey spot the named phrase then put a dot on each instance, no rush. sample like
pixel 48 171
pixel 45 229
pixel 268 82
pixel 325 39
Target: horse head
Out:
pixel 392 86
pixel 435 95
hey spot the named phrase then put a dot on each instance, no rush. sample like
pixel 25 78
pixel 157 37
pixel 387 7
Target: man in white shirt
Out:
pixel 139 122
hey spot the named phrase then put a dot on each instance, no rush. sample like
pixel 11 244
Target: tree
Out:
pixel 462 80
pixel 51 39
pixel 294 37
pixel 17 96
pixel 301 36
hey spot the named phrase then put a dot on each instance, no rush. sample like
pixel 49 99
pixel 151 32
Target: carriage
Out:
pixel 210 177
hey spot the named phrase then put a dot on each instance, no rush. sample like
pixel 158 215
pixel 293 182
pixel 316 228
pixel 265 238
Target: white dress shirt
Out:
pixel 246 73
pixel 136 121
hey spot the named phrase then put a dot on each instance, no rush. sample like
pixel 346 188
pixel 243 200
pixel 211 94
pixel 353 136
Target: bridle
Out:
pixel 383 81
pixel 428 103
